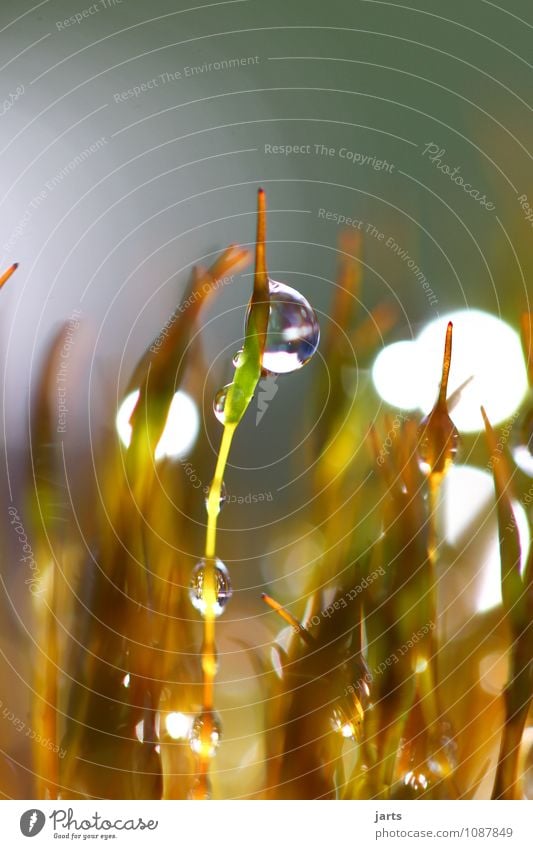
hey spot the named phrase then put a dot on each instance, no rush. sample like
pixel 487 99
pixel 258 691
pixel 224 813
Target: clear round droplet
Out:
pixel 349 711
pixel 237 357
pixel 438 443
pixel 522 448
pixel 413 784
pixel 223 590
pixel 223 495
pixel 219 403
pixel 205 734
pixel 293 331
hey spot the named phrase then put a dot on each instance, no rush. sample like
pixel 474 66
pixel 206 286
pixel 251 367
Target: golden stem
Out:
pixel 7 274
pixel 428 676
pixel 446 365
pixel 210 582
pixel 288 618
pixel 213 501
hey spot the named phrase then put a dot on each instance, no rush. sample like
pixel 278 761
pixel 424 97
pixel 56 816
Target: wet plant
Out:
pixel 362 689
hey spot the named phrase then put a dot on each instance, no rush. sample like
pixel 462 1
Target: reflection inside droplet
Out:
pixel 197 588
pixel 293 332
pixel 205 734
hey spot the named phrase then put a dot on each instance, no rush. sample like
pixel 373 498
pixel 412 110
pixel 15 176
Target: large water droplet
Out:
pixel 197 589
pixel 205 734
pixel 293 331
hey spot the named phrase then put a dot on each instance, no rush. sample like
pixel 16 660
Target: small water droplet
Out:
pixel 237 357
pixel 220 402
pixel 223 495
pixel 223 591
pixel 293 331
pixel 349 712
pixel 205 734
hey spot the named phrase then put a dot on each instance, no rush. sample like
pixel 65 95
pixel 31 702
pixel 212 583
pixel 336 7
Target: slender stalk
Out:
pixel 7 274
pixel 210 588
pixel 239 395
pixel 289 619
pixel 447 361
pixel 46 719
pixel 213 501
pixel 507 782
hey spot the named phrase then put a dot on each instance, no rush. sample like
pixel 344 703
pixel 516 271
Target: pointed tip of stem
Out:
pixel 446 363
pixel 261 290
pixel 7 274
pixel 261 218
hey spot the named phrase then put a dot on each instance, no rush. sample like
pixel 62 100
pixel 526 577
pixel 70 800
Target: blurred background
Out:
pixel 133 138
